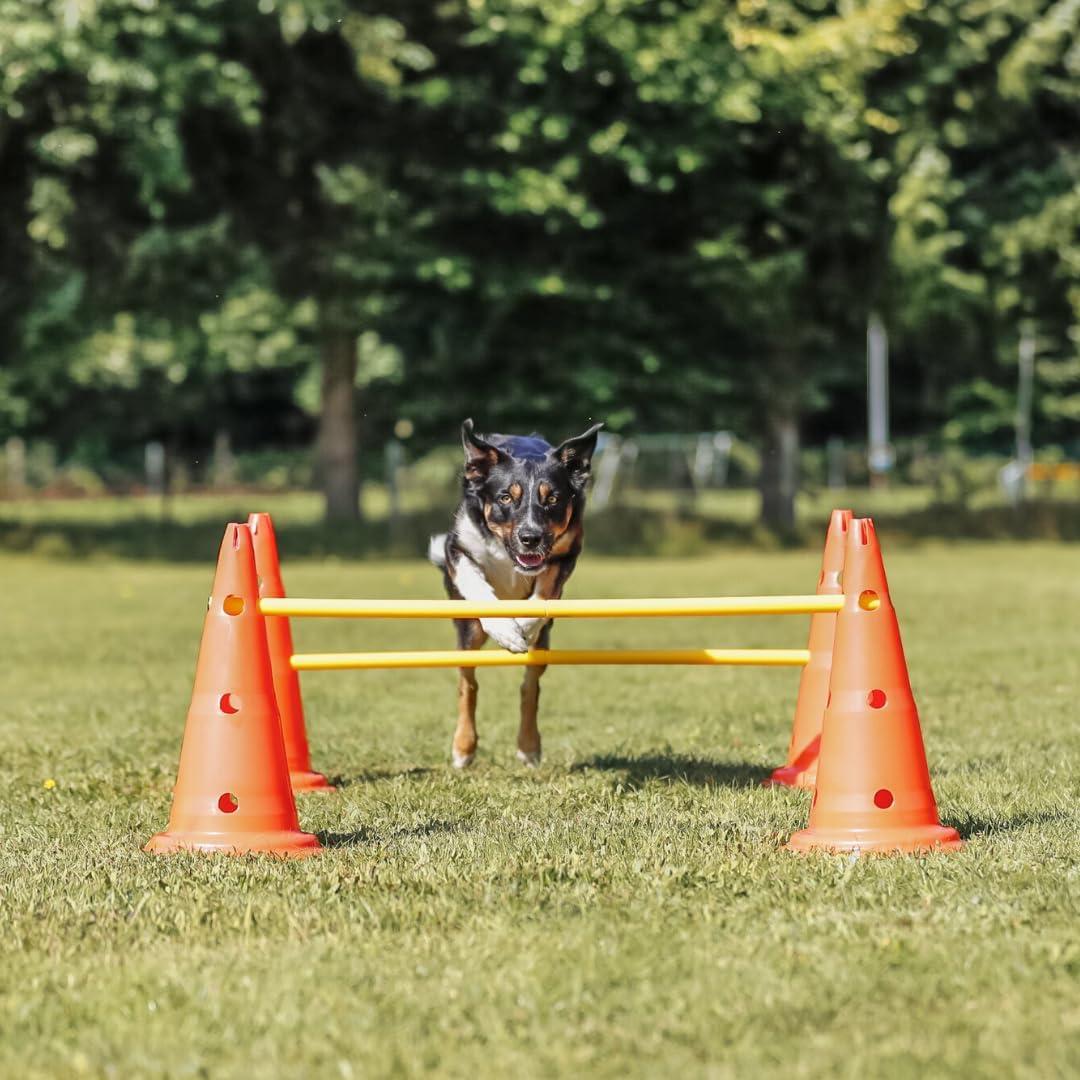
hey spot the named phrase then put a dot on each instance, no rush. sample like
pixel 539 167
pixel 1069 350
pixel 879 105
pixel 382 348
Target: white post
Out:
pixel 154 459
pixel 1025 393
pixel 394 458
pixel 879 452
pixel 15 464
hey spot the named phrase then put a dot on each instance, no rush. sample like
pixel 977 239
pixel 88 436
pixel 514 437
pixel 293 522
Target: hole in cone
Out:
pixel 883 798
pixel 869 600
pixel 228 803
pixel 233 605
pixel 229 703
pixel 876 699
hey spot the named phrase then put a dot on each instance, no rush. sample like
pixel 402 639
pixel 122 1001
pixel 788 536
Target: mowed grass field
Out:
pixel 625 910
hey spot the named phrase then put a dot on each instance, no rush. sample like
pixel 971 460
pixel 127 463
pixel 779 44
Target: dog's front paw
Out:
pixel 530 629
pixel 507 633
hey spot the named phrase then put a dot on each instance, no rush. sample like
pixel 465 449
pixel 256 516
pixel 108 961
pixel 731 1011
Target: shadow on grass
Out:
pixel 374 776
pixel 640 769
pixel 198 541
pixel 968 827
pixel 362 836
pixel 619 531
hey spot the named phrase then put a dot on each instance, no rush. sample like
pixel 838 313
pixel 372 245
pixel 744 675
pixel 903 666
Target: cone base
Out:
pixel 289 845
pixel 792 776
pixel 880 841
pixel 310 781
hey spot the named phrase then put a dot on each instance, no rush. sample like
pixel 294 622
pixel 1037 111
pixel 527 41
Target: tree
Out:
pixel 674 207
pixel 177 167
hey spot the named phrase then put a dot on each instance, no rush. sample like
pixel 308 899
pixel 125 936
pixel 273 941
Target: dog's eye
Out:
pixel 506 498
pixel 552 500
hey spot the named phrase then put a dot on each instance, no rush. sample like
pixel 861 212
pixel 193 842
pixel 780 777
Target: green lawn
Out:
pixel 625 910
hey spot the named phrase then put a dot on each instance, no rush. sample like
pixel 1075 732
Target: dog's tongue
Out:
pixel 530 562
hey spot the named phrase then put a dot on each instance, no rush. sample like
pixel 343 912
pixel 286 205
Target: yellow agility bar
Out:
pixel 449 658
pixel 550 609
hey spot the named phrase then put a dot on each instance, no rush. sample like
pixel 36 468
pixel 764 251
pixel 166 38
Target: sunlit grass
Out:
pixel 625 910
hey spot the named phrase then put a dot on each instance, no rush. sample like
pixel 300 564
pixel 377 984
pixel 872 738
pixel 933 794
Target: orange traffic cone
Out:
pixel 286 681
pixel 802 759
pixel 873 787
pixel 232 789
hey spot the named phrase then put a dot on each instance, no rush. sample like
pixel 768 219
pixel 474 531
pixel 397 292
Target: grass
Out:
pixel 625 910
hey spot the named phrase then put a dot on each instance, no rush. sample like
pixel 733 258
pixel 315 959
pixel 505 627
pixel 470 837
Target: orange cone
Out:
pixel 232 789
pixel 873 787
pixel 286 681
pixel 802 759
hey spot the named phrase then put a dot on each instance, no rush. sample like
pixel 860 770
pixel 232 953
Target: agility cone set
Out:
pixel 802 760
pixel 280 643
pixel 855 739
pixel 233 792
pixel 873 789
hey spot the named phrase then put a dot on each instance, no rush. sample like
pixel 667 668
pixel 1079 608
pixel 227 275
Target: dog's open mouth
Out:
pixel 528 560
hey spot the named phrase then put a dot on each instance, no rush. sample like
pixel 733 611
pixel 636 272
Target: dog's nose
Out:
pixel 529 538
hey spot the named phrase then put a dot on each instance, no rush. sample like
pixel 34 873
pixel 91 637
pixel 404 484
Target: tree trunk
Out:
pixel 779 478
pixel 336 445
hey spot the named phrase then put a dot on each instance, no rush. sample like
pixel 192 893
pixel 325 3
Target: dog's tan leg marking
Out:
pixel 465 740
pixel 548 587
pixel 470 636
pixel 529 732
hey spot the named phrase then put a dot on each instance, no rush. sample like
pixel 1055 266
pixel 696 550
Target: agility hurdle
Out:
pixel 550 609
pixel 856 737
pixel 451 658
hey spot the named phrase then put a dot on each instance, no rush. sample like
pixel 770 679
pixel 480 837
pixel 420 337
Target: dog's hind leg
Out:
pixel 470 636
pixel 529 731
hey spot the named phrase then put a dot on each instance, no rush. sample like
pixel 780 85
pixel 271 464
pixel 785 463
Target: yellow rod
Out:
pixel 450 658
pixel 550 609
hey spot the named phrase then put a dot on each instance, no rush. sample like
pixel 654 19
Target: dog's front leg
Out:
pixel 531 629
pixel 470 636
pixel 472 585
pixel 528 740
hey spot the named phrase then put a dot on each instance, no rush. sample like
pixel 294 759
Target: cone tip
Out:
pixel 236 563
pixel 864 567
pixel 237 536
pixel 839 520
pixel 260 519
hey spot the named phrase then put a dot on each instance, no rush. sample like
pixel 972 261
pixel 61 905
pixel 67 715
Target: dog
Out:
pixel 517 533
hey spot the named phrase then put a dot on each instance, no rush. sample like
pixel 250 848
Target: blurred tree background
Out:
pixel 297 223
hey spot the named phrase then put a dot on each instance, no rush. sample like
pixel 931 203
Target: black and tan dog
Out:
pixel 517 534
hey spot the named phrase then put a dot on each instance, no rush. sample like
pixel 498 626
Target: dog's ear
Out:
pixel 576 456
pixel 479 455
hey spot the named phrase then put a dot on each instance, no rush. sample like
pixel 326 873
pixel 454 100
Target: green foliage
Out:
pixel 672 215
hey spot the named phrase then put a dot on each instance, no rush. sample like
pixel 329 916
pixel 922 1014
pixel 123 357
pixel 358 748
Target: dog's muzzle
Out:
pixel 528 560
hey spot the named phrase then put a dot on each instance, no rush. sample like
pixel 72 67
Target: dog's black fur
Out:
pixel 517 533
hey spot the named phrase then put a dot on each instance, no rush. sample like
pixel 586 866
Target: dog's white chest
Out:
pixel 504 578
pixel 491 569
